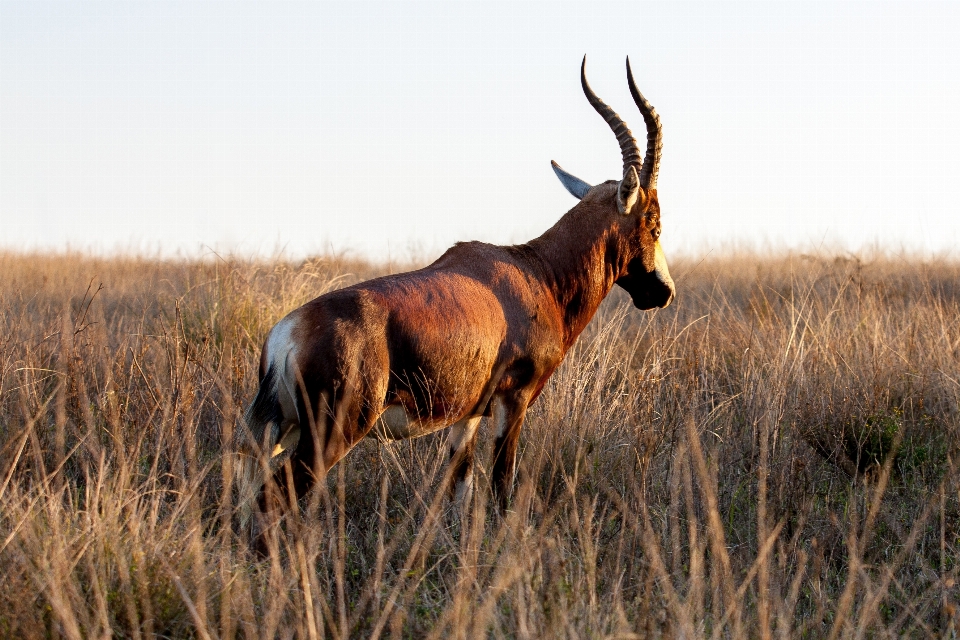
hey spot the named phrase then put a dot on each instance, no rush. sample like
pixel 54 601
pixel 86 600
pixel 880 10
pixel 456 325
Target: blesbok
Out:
pixel 477 333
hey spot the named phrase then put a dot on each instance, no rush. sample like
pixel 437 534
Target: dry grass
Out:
pixel 772 456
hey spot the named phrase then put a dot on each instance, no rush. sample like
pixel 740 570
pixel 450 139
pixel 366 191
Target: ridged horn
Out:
pixel 628 144
pixel 651 162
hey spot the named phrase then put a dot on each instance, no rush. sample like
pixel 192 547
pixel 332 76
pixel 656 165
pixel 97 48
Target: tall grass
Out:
pixel 774 455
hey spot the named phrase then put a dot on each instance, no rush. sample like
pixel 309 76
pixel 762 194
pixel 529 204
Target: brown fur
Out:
pixel 477 332
pixel 481 322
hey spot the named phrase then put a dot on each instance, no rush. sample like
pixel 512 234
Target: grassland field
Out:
pixel 774 455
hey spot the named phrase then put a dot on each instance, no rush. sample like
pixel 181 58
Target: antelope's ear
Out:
pixel 630 192
pixel 577 187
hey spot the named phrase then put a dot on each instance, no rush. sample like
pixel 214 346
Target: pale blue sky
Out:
pixel 385 127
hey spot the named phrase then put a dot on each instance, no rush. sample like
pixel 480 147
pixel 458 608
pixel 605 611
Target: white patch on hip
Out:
pixel 281 354
pixel 280 340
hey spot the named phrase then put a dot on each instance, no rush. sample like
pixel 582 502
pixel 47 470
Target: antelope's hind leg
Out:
pixel 290 481
pixel 332 431
pixel 462 441
pixel 508 414
pixel 272 496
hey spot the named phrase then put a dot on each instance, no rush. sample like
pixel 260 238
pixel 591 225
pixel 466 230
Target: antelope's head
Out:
pixel 644 273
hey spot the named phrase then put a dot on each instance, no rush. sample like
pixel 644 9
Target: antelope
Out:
pixel 477 333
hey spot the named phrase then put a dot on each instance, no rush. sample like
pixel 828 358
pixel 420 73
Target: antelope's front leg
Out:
pixel 508 414
pixel 462 442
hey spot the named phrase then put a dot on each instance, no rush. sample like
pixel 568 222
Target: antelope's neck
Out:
pixel 581 263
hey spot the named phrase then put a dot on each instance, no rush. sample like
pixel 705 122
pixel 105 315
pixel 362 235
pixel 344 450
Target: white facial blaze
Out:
pixel 660 268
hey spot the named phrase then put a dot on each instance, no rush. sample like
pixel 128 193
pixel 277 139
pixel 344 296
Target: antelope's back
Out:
pixel 428 339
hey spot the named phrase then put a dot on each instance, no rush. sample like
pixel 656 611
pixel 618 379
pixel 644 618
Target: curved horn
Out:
pixel 651 162
pixel 628 144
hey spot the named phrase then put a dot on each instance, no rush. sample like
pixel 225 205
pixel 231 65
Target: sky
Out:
pixel 392 129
